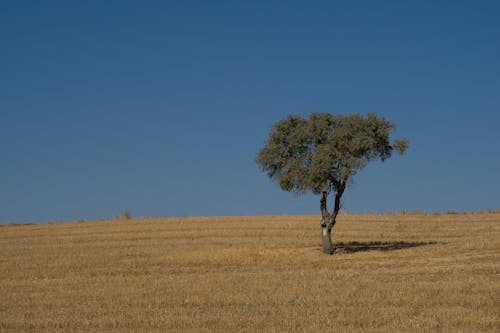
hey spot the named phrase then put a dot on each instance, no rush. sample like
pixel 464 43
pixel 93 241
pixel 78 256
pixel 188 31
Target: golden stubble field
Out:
pixel 392 273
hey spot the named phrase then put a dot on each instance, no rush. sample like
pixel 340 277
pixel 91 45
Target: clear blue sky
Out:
pixel 159 107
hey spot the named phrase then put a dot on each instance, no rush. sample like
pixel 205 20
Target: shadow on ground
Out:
pixel 352 247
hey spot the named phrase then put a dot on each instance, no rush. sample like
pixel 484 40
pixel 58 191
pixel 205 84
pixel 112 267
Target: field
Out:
pixel 391 273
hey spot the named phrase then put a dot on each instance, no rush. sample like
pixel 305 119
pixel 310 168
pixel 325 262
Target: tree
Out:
pixel 322 153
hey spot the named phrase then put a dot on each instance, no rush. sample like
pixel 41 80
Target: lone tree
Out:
pixel 322 153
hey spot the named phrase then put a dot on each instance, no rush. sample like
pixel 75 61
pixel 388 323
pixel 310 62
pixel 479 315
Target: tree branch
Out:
pixel 336 208
pixel 324 210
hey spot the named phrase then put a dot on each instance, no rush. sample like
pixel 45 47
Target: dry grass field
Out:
pixel 391 273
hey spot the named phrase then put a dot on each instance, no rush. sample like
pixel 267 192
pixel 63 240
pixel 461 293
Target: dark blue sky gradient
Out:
pixel 159 107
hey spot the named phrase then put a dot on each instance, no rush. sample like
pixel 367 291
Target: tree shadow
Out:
pixel 353 247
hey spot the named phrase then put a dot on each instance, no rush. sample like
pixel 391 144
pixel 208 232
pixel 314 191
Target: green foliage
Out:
pixel 322 152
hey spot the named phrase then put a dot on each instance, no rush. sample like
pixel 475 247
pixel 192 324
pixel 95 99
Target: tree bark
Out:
pixel 326 240
pixel 328 220
pixel 336 207
pixel 326 230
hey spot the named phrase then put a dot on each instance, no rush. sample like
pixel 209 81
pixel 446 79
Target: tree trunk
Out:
pixel 328 220
pixel 326 240
pixel 326 230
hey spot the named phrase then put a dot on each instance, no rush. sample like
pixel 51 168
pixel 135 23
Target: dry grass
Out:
pixel 392 273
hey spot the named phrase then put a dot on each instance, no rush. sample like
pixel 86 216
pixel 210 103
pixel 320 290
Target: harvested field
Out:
pixel 391 273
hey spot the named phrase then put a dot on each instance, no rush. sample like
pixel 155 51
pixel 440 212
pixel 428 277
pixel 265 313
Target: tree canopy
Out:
pixel 325 150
